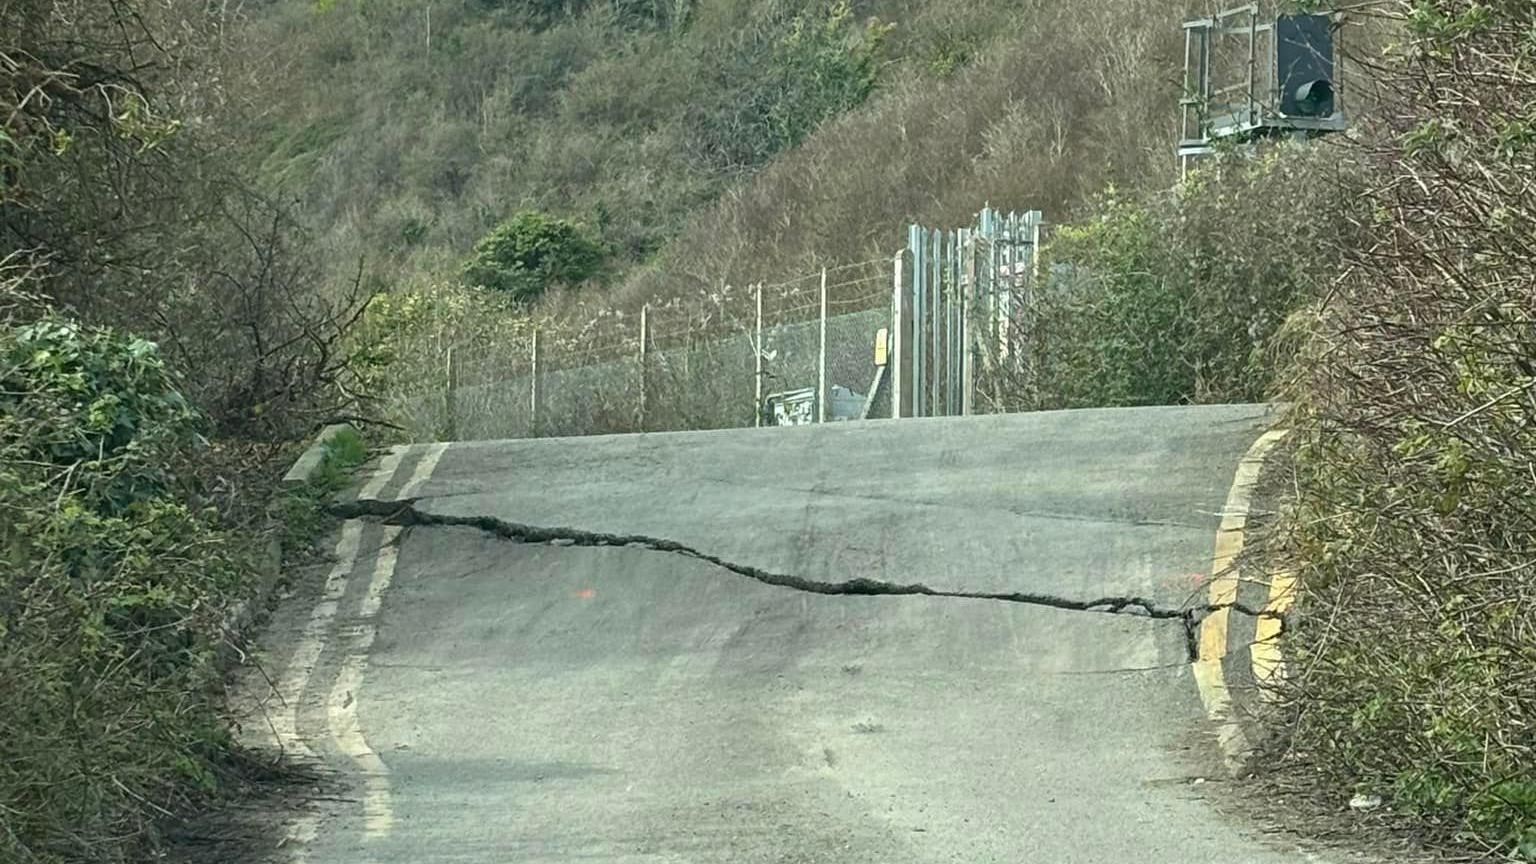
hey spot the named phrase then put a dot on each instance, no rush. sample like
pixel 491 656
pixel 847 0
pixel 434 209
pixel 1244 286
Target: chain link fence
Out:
pixel 711 365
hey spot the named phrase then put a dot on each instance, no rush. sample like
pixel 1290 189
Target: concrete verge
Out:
pixel 244 614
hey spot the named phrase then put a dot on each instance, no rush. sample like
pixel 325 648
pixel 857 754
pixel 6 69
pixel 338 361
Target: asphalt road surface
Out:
pixel 520 655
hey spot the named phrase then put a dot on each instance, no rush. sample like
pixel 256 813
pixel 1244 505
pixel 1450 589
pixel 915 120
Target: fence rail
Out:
pixel 701 366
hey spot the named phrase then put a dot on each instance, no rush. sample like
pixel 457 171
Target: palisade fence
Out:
pixel 965 307
pixel 934 330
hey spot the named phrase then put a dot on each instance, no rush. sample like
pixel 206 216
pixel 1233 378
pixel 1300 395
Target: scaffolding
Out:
pixel 1248 77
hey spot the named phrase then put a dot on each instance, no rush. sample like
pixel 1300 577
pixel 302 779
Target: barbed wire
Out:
pixel 817 273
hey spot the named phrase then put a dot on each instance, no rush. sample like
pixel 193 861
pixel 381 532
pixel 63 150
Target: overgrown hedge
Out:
pixel 1174 297
pixel 113 591
pixel 1415 650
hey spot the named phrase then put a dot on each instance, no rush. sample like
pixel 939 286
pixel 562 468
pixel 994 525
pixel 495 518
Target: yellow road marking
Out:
pixel 341 707
pixel 301 835
pixel 295 678
pixel 378 805
pixel 424 470
pixel 1268 664
pixel 1221 594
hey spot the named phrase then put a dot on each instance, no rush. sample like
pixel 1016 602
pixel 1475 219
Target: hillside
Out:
pixel 704 140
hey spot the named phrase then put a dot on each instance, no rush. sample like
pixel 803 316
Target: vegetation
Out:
pixel 410 133
pixel 1165 299
pixel 301 512
pixel 704 142
pixel 532 252
pixel 218 233
pixel 1416 643
pixel 113 588
pixel 165 335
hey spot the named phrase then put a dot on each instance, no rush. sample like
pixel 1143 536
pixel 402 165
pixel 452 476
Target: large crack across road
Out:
pixel 406 513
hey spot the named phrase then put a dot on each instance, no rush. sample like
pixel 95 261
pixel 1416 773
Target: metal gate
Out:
pixel 962 297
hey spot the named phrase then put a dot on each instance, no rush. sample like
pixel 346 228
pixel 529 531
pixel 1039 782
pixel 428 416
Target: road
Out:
pixel 683 647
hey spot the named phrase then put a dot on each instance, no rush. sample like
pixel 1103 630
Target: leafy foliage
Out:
pixel 777 85
pixel 92 397
pixel 1163 299
pixel 125 208
pixel 112 592
pixel 1416 515
pixel 531 252
pixel 147 223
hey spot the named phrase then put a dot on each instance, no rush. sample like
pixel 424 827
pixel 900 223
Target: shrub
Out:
pixel 1416 515
pixel 112 596
pixel 531 252
pixel 777 82
pixel 1162 299
pixel 409 342
pixel 93 399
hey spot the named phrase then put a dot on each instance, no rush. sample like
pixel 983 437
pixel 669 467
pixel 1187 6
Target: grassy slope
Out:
pixel 408 153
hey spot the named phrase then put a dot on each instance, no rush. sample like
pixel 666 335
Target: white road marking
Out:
pixel 382 474
pixel 341 707
pixel 423 471
pixel 295 680
pixel 301 835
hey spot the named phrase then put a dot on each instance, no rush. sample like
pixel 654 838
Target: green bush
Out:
pixel 405 343
pixel 112 596
pixel 777 82
pixel 97 400
pixel 532 252
pixel 1165 299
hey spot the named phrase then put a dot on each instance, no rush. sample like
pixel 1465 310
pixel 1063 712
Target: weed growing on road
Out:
pixel 301 516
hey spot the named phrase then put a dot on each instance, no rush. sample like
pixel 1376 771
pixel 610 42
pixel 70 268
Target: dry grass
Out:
pixel 1073 98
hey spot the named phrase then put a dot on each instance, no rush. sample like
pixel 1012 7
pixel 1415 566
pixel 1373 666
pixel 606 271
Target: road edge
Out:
pixel 1218 660
pixel 244 613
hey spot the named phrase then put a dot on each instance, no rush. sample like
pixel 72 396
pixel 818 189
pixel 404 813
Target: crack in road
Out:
pixel 405 513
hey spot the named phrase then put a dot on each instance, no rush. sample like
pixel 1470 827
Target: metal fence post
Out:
pixel 917 240
pixel 757 350
pixel 645 333
pixel 935 324
pixel 821 356
pixel 967 360
pixel 898 341
pixel 451 399
pixel 533 387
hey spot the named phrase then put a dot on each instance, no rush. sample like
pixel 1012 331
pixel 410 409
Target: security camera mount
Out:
pixel 1248 77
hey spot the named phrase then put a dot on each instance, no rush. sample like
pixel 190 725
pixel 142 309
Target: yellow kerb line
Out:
pixel 1221 593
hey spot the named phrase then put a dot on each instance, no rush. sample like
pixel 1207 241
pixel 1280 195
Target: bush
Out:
pixel 112 596
pixel 777 82
pixel 1166 299
pixel 1415 529
pixel 94 399
pixel 407 341
pixel 532 252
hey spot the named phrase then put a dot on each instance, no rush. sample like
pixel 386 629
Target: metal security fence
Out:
pixel 943 328
pixel 963 298
pixel 708 365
